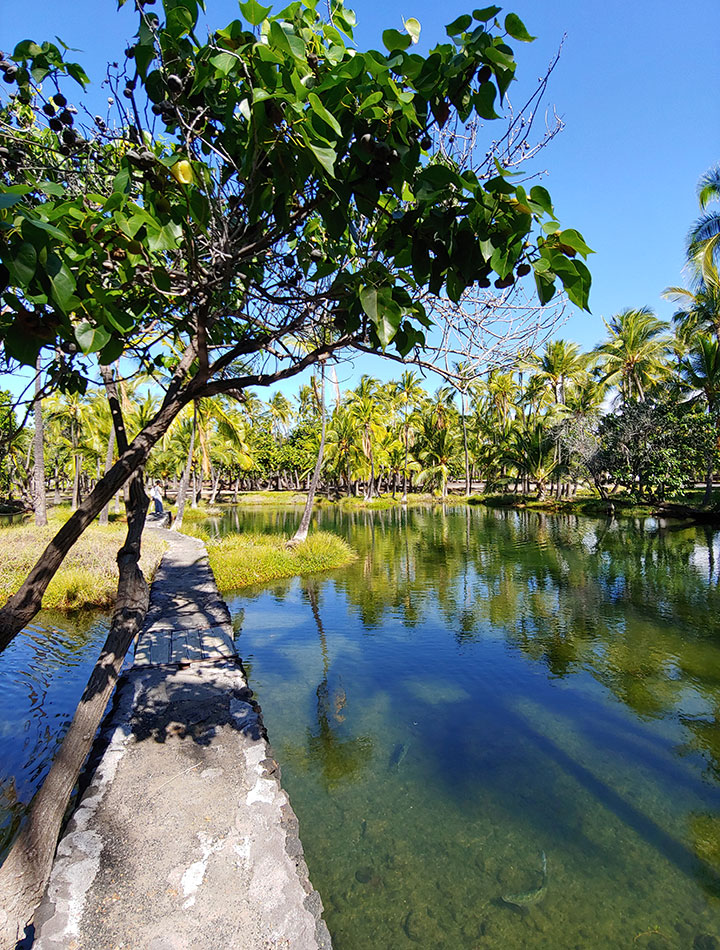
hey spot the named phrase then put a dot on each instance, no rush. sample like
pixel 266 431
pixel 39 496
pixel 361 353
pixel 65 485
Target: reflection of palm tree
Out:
pixel 338 759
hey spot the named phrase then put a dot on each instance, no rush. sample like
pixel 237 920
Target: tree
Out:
pixel 255 188
pixel 634 357
pixel 653 449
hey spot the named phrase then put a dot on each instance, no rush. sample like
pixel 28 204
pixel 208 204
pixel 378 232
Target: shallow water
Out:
pixel 484 687
pixel 43 673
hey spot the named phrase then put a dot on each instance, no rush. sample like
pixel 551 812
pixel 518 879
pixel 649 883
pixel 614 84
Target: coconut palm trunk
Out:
pixel 302 531
pixel 185 480
pixel 39 500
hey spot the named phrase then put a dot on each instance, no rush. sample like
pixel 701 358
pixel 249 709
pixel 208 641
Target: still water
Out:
pixel 500 729
pixel 43 673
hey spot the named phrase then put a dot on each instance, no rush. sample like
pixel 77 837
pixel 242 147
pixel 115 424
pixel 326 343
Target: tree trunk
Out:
pixel 302 531
pixel 185 480
pixel 25 872
pixel 23 605
pixel 39 502
pixel 105 513
pixel 465 447
pixel 707 497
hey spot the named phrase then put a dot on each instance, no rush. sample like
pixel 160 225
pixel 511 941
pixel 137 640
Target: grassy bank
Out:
pixel 87 576
pixel 243 559
pixel 581 504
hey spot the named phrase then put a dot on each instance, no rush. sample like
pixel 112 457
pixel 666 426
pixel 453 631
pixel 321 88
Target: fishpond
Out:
pixel 499 729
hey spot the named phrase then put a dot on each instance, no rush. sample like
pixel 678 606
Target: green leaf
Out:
pixel 413 27
pixel 320 110
pixel 369 301
pixel 545 288
pixel 78 74
pixel 51 188
pixel 487 13
pixel 179 22
pixel 253 12
pixel 394 39
pixel 48 228
pixel 326 157
pixel 574 239
pixel 8 200
pixel 459 26
pixel 484 100
pixel 62 283
pixel 541 197
pixel 164 239
pixel 91 339
pixel 224 63
pixel 516 28
pixel 112 351
pixel 388 317
pixel 575 278
pixel 24 264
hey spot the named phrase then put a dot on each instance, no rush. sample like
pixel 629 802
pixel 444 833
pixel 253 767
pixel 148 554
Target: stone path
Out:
pixel 184 838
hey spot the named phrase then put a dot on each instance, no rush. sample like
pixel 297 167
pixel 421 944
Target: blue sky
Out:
pixel 637 87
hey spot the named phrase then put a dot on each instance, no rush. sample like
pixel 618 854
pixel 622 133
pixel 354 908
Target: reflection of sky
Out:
pixel 707 561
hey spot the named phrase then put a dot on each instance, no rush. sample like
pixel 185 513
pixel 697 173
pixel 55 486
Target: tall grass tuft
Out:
pixel 242 559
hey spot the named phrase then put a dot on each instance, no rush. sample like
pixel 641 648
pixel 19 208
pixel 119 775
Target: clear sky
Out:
pixel 637 86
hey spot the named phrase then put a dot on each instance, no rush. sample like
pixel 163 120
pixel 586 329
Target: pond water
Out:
pixel 499 729
pixel 43 673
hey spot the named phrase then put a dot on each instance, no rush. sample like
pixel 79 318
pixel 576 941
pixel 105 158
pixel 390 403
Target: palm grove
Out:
pixel 635 418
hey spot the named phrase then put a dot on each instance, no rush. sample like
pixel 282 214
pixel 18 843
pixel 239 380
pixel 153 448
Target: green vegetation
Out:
pixel 88 576
pixel 244 559
pixel 338 182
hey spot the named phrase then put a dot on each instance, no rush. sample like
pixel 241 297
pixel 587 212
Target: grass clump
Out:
pixel 87 577
pixel 239 560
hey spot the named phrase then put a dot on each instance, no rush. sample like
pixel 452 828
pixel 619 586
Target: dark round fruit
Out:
pixel 10 74
pixel 425 142
pixel 366 141
pixel 59 100
pixel 483 282
pixel 5 65
pixel 69 136
pixel 66 117
pixel 316 254
pixel 288 260
pixel 48 109
pixel 127 92
pixel 130 52
pixel 523 269
pixel 155 109
pixel 175 84
pixel 56 125
pixel 484 73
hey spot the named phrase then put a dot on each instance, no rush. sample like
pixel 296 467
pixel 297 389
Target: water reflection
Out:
pixel 484 686
pixel 43 672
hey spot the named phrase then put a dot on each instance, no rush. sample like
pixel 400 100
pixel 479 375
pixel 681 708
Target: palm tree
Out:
pixel 532 452
pixel 634 358
pixel 436 452
pixel 408 392
pixel 560 362
pixel 71 411
pixel 281 413
pixel 704 239
pixel 367 411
